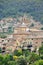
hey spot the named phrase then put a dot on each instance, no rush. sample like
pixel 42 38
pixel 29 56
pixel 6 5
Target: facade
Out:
pixel 7 44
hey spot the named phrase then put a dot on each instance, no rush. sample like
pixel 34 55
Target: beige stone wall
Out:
pixel 37 42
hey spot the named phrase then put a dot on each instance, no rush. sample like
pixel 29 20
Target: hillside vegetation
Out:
pixel 14 8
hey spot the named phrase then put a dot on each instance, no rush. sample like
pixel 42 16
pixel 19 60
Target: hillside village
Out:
pixel 8 24
pixel 21 33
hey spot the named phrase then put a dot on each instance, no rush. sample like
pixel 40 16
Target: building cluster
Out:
pixel 7 24
pixel 23 37
pixel 28 38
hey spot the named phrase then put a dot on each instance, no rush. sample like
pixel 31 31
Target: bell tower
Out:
pixel 25 20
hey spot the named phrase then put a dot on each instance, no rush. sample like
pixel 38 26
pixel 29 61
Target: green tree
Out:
pixel 7 58
pixel 11 63
pixel 32 25
pixel 33 57
pixel 0 50
pixel 26 52
pixel 41 50
pixel 1 58
pixel 42 28
pixel 3 36
pixel 40 62
pixel 18 52
pixel 41 57
pixel 1 63
pixel 21 61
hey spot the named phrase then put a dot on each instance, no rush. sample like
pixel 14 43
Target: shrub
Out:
pixel 1 63
pixel 21 61
pixel 33 57
pixel 1 58
pixel 15 57
pixel 40 62
pixel 18 52
pixel 26 52
pixel 11 63
pixel 41 57
pixel 0 50
pixel 41 50
pixel 7 58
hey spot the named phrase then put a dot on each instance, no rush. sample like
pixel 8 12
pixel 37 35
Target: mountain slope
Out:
pixel 15 8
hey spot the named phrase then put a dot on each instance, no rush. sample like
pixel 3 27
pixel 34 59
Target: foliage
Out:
pixel 7 58
pixel 26 52
pixel 41 57
pixel 1 63
pixel 32 25
pixel 18 52
pixel 11 63
pixel 3 36
pixel 14 8
pixel 1 58
pixel 21 58
pixel 21 61
pixel 42 28
pixel 33 57
pixel 15 57
pixel 41 50
pixel 0 50
pixel 40 62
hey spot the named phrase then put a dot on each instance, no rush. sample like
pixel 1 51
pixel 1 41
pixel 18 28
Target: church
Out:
pixel 27 38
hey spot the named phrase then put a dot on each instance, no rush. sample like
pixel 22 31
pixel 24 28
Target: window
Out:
pixel 29 46
pixel 8 40
pixel 2 40
pixel 32 38
pixel 36 42
pixel 3 48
